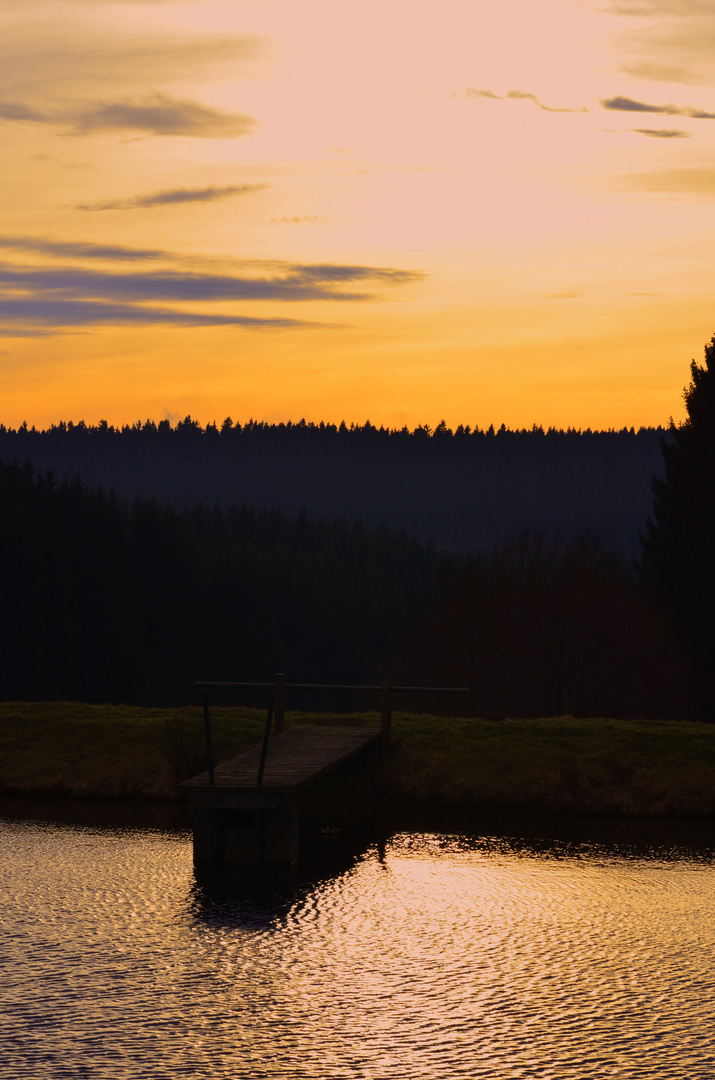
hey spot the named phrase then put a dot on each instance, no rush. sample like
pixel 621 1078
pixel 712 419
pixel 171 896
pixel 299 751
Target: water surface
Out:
pixel 428 956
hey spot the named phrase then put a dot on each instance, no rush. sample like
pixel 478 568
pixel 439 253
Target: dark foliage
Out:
pixel 678 547
pixel 456 488
pixel 543 627
pixel 105 600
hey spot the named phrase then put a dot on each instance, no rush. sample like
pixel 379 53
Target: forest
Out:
pixel 550 572
pixel 109 600
pixel 458 489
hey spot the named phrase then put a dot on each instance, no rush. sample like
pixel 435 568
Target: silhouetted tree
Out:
pixel 106 600
pixel 678 548
pixel 456 488
pixel 539 626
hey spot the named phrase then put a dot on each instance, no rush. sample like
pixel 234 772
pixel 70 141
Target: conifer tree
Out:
pixel 678 548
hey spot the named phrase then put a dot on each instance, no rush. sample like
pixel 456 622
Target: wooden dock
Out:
pixel 241 824
pixel 294 759
pixel 246 809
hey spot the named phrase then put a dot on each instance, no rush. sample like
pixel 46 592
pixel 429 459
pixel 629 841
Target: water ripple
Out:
pixel 437 957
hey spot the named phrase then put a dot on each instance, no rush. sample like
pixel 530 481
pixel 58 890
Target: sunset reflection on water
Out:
pixel 430 956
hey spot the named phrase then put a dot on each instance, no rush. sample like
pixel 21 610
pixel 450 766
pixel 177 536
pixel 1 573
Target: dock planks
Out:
pixel 295 758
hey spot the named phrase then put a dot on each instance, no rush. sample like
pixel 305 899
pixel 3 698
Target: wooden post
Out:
pixel 207 727
pixel 280 705
pixel 386 716
pixel 266 739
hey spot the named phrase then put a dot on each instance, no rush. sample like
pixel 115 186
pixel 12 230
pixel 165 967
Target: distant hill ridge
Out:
pixel 461 488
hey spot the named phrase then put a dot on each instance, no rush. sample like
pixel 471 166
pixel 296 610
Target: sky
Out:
pixel 402 211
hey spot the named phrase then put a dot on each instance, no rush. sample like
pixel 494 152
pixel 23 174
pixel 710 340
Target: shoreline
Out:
pixel 326 836
pixel 557 766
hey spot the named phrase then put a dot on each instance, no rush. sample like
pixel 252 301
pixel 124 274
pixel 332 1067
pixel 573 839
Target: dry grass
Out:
pixel 108 751
pixel 557 765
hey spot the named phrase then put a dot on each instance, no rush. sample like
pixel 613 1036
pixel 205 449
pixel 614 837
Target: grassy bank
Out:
pixel 556 765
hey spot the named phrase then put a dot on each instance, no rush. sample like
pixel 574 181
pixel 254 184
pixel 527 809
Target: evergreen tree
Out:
pixel 678 548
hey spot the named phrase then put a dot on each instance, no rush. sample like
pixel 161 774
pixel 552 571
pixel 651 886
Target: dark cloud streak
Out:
pixel 61 313
pixel 301 283
pixel 663 133
pixel 82 250
pixel 174 196
pixel 624 104
pixel 158 114
pixel 36 297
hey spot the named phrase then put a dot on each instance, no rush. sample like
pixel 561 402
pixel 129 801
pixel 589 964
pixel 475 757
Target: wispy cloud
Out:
pixel 674 43
pixel 624 104
pixel 79 250
pixel 472 92
pixel 16 110
pixel 662 133
pixel 158 114
pixel 699 181
pixel 310 220
pixel 173 196
pixel 11 5
pixel 662 7
pixel 35 297
pixel 42 311
pixel 70 61
pixel 519 95
pixel 298 283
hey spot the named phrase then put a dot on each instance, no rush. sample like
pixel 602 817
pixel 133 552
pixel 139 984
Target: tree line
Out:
pixel 130 602
pixel 105 599
pixel 108 598
pixel 456 488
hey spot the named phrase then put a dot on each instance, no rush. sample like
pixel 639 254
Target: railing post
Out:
pixel 386 715
pixel 280 705
pixel 266 739
pixel 209 750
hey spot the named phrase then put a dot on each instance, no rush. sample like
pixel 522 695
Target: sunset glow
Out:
pixel 401 211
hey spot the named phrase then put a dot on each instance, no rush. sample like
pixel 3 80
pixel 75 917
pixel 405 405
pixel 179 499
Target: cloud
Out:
pixel 73 60
pixel 315 272
pixel 662 7
pixel 33 297
pixel 473 93
pixel 624 104
pixel 699 180
pixel 16 110
pixel 298 283
pixel 675 43
pixel 518 95
pixel 325 272
pixel 663 133
pixel 11 5
pixel 311 220
pixel 174 195
pixel 81 250
pixel 61 313
pixel 156 115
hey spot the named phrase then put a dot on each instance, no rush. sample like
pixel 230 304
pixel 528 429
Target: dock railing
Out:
pixel 276 709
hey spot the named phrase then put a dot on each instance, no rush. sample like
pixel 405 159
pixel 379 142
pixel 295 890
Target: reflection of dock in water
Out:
pixel 246 809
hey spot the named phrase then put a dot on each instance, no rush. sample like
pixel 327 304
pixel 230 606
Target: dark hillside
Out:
pixel 108 601
pixel 457 489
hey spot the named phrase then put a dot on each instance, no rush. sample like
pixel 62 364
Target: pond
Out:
pixel 545 952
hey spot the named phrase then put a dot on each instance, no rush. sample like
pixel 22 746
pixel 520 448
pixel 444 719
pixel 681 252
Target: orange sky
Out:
pixel 398 210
